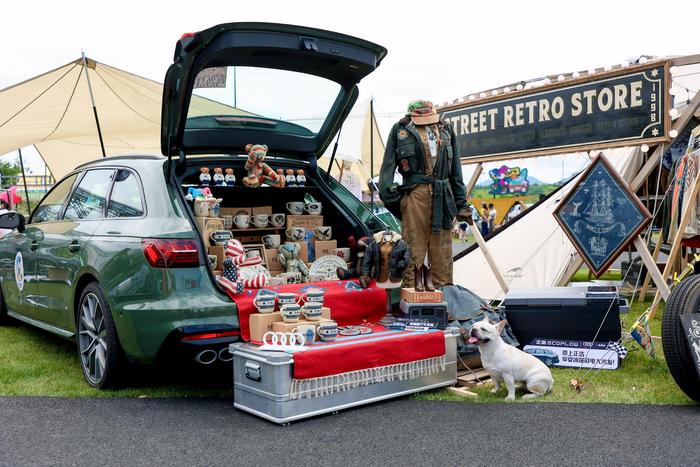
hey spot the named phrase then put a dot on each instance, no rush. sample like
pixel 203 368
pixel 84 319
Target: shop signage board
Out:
pixel 691 329
pixel 624 107
pixel 574 354
pixel 601 216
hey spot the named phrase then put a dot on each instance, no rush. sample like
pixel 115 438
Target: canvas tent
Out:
pixel 53 112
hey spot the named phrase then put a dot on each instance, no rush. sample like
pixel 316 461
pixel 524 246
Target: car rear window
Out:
pixel 240 96
pixel 90 196
pixel 125 200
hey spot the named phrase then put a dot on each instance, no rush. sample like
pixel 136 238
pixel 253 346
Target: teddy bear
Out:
pixel 229 178
pixel 301 178
pixel 288 257
pixel 258 171
pixel 290 179
pixel 218 177
pixel 204 177
pixel 234 265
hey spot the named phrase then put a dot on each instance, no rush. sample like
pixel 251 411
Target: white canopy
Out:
pixel 54 113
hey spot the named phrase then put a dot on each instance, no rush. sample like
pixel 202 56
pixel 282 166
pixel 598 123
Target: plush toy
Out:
pixel 204 177
pixel 301 178
pixel 218 176
pixel 290 180
pixel 234 263
pixel 229 178
pixel 258 171
pixel 288 257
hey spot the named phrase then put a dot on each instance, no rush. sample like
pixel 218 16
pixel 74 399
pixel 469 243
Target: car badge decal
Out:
pixel 19 271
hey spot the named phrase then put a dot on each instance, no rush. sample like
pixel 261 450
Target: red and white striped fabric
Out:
pixel 234 248
pixel 257 282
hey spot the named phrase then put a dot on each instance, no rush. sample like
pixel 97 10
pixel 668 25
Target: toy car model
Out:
pixel 112 256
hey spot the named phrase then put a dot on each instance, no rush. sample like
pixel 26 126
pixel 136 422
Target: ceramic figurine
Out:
pixel 204 177
pixel 218 177
pixel 258 171
pixel 229 178
pixel 236 259
pixel 301 178
pixel 290 179
pixel 288 258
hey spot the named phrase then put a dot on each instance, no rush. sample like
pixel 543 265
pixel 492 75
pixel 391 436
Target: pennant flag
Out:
pixel 642 334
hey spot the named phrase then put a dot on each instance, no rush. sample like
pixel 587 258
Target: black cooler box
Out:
pixel 573 313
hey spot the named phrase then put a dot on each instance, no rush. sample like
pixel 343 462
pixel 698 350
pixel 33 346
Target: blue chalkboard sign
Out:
pixel 601 215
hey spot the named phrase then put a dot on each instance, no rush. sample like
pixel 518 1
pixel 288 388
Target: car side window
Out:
pixel 125 200
pixel 90 196
pixel 50 207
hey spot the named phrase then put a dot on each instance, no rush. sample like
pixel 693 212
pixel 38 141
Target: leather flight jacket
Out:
pixel 404 151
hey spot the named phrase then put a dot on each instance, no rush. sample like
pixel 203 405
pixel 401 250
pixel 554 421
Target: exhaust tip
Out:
pixel 225 355
pixel 206 357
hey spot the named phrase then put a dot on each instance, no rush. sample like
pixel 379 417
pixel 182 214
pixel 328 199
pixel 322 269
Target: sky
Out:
pixel 437 51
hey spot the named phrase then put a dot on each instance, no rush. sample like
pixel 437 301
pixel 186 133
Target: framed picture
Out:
pixel 601 215
pixel 256 250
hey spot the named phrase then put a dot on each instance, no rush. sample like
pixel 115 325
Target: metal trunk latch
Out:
pixel 252 371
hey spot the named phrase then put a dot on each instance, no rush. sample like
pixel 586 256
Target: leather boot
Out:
pixel 418 276
pixel 428 278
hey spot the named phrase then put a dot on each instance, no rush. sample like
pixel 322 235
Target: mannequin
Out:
pixel 432 194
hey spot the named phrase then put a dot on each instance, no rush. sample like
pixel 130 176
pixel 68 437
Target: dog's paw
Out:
pixel 510 398
pixel 494 390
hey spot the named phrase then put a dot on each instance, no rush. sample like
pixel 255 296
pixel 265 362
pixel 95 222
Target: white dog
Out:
pixel 507 364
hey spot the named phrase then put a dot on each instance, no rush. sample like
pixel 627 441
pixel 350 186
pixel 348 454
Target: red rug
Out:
pixel 380 349
pixel 349 303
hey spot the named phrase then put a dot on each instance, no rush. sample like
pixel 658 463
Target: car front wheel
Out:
pixel 98 345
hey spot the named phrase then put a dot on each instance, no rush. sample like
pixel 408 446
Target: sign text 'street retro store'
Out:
pixel 623 107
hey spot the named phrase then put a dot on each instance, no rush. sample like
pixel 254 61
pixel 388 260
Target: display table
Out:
pixel 327 377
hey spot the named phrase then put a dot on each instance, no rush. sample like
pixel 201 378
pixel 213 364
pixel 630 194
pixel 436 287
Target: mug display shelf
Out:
pixel 234 230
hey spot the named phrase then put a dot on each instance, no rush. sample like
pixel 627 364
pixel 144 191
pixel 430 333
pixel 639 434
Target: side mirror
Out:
pixel 12 220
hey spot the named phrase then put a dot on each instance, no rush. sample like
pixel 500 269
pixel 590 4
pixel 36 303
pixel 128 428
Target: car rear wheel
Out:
pixel 98 346
pixel 3 310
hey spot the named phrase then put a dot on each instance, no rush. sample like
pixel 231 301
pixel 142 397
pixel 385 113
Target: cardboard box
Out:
pixel 260 323
pixel 325 247
pixel 271 257
pixel 219 252
pixel 307 221
pixel 411 296
pixel 209 223
pixel 262 210
pixel 235 211
pixel 281 326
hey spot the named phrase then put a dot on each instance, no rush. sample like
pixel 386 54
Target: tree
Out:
pixel 9 169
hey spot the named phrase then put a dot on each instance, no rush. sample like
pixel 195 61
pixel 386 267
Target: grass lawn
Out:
pixel 35 363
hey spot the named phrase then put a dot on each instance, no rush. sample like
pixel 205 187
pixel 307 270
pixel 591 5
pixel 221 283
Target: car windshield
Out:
pixel 253 97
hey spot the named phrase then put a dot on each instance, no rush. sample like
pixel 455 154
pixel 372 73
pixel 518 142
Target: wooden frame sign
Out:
pixel 601 215
pixel 624 107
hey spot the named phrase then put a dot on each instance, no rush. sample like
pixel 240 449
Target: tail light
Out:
pixel 171 253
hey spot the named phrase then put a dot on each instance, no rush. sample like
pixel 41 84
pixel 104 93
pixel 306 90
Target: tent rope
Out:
pixel 97 72
pixel 65 110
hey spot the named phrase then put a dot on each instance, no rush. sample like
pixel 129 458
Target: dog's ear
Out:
pixel 486 319
pixel 501 326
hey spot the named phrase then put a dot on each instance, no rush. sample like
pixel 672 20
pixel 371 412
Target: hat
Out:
pixel 422 112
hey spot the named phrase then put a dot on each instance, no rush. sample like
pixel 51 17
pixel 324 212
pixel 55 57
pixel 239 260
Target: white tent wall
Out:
pixel 53 112
pixel 533 251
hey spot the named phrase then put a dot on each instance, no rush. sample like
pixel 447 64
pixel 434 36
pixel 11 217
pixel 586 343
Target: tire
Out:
pixel 548 362
pixel 4 319
pixel 685 298
pixel 100 354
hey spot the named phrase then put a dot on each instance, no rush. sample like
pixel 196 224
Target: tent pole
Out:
pixel 24 179
pixel 371 154
pixel 94 109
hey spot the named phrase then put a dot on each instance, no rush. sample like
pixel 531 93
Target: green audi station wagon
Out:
pixel 112 256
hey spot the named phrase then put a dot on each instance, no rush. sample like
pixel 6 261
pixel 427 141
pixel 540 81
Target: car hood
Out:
pixel 337 58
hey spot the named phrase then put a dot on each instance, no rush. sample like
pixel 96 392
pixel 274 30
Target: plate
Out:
pixel 349 332
pixel 326 267
pixel 249 272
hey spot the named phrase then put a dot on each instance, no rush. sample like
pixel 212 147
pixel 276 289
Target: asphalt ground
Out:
pixel 59 431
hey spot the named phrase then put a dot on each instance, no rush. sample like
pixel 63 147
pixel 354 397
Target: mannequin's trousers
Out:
pixel 417 213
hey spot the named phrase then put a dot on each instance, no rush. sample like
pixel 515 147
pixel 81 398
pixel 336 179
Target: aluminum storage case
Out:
pixel 262 382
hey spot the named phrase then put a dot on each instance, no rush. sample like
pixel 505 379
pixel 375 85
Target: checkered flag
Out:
pixel 619 348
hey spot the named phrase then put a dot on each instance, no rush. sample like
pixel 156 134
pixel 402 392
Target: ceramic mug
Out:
pixel 265 304
pixel 220 237
pixel 306 330
pixel 295 234
pixel 271 241
pixel 324 232
pixel 313 295
pixel 312 310
pixel 313 208
pixel 228 221
pixel 242 221
pixel 214 209
pixel 260 220
pixel 295 207
pixel 277 220
pixel 327 331
pixel 201 208
pixel 212 261
pixel 288 298
pixel 290 313
pixel 343 253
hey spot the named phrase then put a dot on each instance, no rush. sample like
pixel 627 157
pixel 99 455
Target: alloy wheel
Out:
pixel 92 338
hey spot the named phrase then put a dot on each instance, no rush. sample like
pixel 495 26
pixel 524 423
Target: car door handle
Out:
pixel 33 246
pixel 74 246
